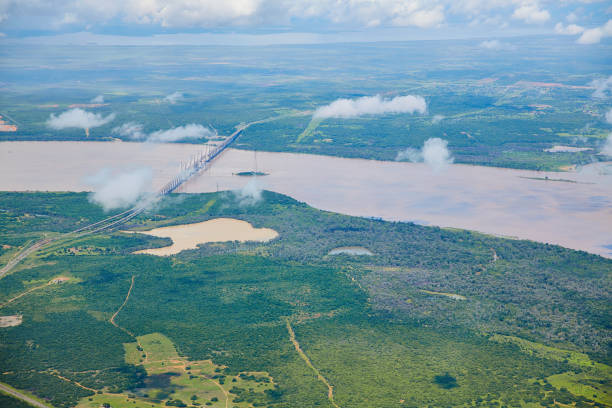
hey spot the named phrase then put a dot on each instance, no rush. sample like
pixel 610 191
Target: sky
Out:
pixel 298 21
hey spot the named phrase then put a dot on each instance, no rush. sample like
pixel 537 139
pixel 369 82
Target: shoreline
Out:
pixel 490 200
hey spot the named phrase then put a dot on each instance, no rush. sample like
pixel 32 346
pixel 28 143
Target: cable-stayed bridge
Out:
pixel 189 169
pixel 200 162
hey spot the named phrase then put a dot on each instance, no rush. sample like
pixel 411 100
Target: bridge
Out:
pixel 200 162
pixel 193 166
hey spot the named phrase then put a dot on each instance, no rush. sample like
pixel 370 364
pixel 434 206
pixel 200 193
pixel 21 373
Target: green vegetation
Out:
pixel 495 108
pixel 496 137
pixel 385 330
pixel 8 401
pixel 173 380
pixel 446 381
pixel 385 363
pixel 591 379
pixel 574 358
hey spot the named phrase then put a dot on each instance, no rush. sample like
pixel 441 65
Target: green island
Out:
pixel 433 318
pixel 250 173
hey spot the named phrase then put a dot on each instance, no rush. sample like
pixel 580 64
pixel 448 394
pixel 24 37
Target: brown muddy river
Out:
pixel 513 203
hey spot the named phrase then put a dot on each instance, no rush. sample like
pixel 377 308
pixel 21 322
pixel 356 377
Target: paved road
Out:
pixel 22 397
pixel 129 214
pixel 21 255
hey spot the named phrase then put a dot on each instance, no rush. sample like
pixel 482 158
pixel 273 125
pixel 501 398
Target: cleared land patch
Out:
pixel 449 295
pixel 54 281
pixel 574 358
pixel 593 382
pixel 188 236
pixel 173 380
pixel 10 321
pixel 583 384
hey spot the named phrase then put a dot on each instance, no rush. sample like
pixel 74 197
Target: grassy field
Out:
pixel 172 379
pixel 381 330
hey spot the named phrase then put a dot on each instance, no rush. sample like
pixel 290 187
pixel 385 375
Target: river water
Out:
pixel 506 202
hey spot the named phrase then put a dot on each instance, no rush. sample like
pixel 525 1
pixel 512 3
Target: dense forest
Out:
pixel 435 317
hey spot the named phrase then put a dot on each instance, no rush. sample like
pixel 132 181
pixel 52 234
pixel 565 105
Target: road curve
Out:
pixel 21 255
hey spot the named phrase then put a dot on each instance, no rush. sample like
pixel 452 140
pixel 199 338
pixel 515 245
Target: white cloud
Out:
pixel 437 118
pixel 421 18
pixel 191 131
pixel 250 194
pixel 98 99
pixel 490 44
pixel 594 35
pixel 69 18
pixel 495 45
pixel 409 154
pixel 602 86
pixel 237 14
pixel 78 118
pixel 134 131
pixel 120 190
pixel 130 130
pixel 531 13
pixel 571 29
pixel 367 13
pixel 434 153
pixel 204 13
pixel 474 7
pixel 174 97
pixel 371 105
pixel 609 116
pixel 217 13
